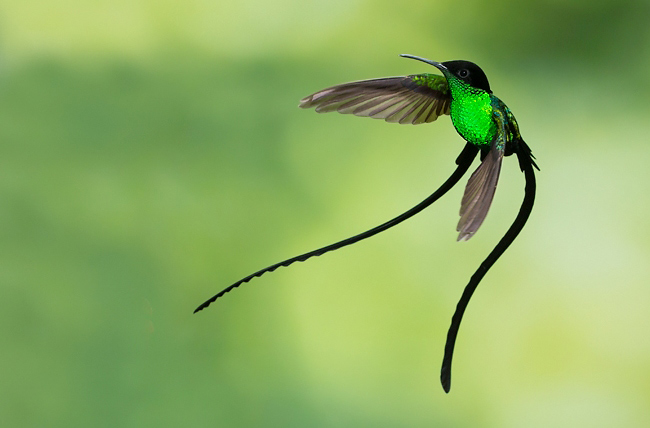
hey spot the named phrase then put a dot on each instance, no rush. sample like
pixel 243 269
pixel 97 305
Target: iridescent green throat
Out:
pixel 471 112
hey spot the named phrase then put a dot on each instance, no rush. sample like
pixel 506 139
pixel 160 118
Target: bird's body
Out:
pixel 471 113
pixel 482 119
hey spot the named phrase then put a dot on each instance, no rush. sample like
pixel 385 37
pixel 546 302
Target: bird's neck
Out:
pixel 461 90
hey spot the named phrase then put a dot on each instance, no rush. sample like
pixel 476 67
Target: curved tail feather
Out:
pixel 463 161
pixel 526 163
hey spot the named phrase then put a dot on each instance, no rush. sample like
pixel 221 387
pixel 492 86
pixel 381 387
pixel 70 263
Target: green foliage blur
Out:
pixel 152 153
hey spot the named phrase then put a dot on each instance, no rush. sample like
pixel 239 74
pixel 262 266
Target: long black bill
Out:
pixel 463 161
pixel 428 61
pixel 526 164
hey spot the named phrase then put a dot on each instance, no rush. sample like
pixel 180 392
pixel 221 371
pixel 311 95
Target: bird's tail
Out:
pixel 526 163
pixel 463 161
pixel 525 156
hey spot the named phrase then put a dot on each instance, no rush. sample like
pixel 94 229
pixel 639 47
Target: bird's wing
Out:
pixel 481 186
pixel 415 99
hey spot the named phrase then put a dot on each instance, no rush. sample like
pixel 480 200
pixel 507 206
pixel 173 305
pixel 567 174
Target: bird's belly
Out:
pixel 474 122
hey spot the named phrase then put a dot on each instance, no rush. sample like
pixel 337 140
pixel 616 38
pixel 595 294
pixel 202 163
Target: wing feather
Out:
pixel 479 194
pixel 415 99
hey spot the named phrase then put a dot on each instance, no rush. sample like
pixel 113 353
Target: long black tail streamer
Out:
pixel 526 164
pixel 463 161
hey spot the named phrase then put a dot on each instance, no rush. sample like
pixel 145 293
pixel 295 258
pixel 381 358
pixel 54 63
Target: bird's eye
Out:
pixel 463 73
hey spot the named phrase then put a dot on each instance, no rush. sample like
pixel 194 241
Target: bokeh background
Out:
pixel 152 152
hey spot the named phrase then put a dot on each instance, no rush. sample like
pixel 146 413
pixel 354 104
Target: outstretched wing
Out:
pixel 481 186
pixel 415 99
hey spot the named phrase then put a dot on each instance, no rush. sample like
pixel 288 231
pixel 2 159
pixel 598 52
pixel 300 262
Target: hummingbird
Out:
pixel 488 127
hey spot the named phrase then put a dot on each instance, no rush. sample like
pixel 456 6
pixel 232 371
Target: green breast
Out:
pixel 471 114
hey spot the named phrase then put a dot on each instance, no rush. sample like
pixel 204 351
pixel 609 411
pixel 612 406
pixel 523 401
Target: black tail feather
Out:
pixel 526 163
pixel 463 161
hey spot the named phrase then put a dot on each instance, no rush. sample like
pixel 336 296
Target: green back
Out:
pixel 432 81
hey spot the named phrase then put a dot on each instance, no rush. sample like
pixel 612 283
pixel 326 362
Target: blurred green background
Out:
pixel 153 153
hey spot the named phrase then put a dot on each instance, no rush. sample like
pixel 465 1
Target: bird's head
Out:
pixel 466 71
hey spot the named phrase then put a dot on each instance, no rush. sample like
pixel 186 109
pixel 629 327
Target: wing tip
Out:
pixel 465 236
pixel 306 102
